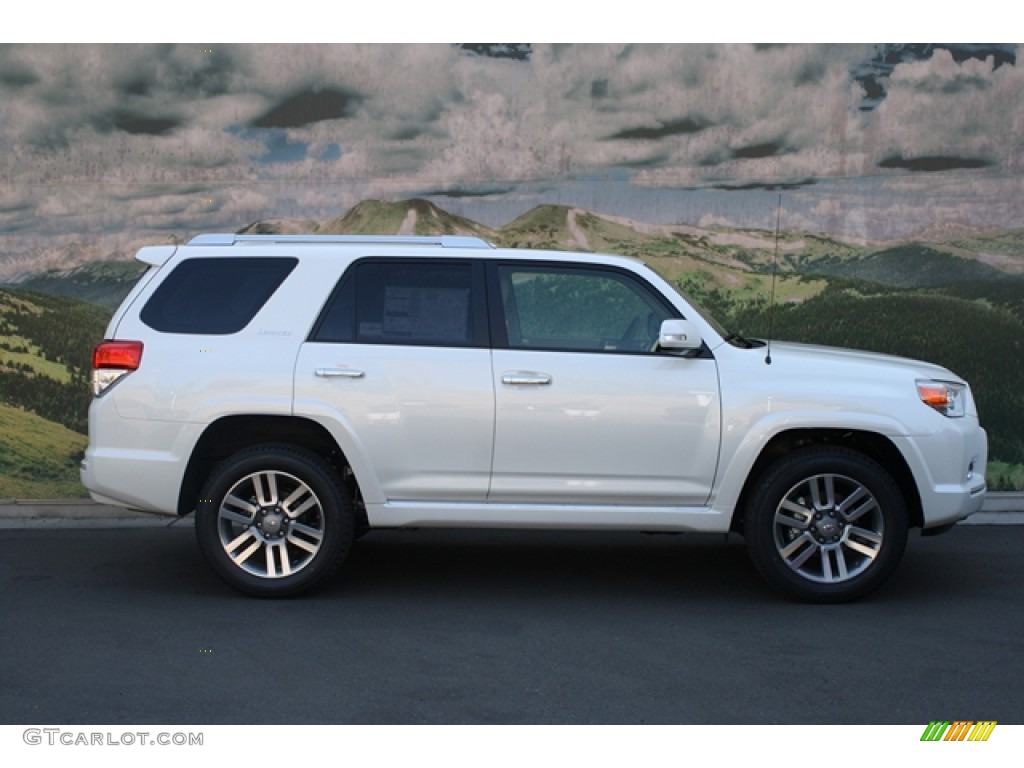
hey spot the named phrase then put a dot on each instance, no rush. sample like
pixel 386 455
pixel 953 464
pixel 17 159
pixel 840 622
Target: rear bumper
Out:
pixel 134 463
pixel 147 484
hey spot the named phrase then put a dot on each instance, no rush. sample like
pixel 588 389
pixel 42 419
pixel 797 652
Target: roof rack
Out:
pixel 445 241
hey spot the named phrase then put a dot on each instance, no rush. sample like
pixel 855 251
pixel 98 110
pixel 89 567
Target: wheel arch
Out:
pixel 871 444
pixel 230 434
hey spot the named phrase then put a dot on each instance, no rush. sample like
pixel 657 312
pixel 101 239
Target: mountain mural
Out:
pixel 866 195
pixel 957 301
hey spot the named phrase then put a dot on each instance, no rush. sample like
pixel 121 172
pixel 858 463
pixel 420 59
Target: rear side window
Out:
pixel 214 296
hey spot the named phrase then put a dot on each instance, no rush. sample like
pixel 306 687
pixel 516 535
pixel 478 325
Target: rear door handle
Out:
pixel 531 378
pixel 340 373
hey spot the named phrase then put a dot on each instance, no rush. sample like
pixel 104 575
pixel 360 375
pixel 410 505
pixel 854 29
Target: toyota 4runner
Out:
pixel 297 391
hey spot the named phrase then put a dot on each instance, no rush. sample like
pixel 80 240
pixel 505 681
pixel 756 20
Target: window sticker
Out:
pixel 414 313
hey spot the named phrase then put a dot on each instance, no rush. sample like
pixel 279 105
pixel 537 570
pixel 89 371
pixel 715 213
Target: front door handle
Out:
pixel 340 373
pixel 532 378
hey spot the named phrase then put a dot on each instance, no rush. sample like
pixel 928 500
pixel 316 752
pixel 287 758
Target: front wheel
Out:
pixel 826 525
pixel 274 520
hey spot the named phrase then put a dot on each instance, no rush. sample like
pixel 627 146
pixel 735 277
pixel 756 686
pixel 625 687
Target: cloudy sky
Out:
pixel 860 140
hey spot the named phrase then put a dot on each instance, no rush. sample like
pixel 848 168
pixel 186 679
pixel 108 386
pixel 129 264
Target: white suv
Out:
pixel 296 391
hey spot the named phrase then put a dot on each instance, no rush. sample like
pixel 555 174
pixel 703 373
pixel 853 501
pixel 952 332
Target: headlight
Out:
pixel 946 397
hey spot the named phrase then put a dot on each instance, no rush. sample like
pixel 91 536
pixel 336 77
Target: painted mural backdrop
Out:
pixel 894 171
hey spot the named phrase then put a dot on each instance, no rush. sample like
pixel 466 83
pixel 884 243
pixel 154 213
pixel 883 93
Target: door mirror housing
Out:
pixel 679 336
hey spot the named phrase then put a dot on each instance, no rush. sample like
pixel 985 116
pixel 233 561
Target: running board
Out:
pixel 419 514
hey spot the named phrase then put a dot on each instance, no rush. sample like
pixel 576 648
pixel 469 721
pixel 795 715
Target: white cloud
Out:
pixel 79 143
pixel 940 107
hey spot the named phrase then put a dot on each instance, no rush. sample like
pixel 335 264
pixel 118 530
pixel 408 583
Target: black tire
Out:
pixel 274 521
pixel 825 525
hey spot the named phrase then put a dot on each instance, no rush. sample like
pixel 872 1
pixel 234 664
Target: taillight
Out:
pixel 111 360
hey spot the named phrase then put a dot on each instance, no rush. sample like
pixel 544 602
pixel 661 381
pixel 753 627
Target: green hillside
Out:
pixel 376 217
pixel 910 265
pixel 38 459
pixel 542 227
pixel 1005 296
pixel 1004 249
pixel 46 354
pixel 46 346
pixel 105 282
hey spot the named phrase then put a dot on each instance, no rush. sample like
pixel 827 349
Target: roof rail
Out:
pixel 445 241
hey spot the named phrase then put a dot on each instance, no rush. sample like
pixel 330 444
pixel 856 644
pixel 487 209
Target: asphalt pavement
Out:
pixel 126 624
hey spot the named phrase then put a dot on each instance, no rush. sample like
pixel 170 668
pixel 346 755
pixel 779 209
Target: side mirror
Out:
pixel 680 336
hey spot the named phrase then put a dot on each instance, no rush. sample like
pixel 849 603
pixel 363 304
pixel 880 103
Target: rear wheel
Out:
pixel 274 521
pixel 826 525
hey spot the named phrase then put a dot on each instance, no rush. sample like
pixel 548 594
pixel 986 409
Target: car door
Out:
pixel 587 411
pixel 399 361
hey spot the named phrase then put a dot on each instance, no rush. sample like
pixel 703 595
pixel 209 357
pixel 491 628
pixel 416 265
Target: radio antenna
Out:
pixel 775 269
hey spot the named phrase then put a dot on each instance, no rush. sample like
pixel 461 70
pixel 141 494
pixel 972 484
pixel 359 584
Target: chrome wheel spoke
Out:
pixel 265 486
pixel 823 492
pixel 309 539
pixel 800 518
pixel 271 554
pixel 840 556
pixel 866 542
pixel 278 563
pixel 231 548
pixel 833 565
pixel 235 543
pixel 235 517
pixel 306 530
pixel 800 549
pixel 848 508
pixel 843 571
pixel 234 502
pixel 826 565
pixel 305 506
pixel 302 543
pixel 791 522
pixel 286 566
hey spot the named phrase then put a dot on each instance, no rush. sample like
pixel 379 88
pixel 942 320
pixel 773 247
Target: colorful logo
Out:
pixel 959 730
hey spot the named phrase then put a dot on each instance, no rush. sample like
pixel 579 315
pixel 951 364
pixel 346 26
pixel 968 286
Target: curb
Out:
pixel 78 513
pixel 999 509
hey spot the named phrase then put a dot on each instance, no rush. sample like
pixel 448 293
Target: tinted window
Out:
pixel 580 310
pixel 214 296
pixel 401 302
pixel 337 322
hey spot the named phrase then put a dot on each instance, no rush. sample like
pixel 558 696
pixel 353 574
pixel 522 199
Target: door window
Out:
pixel 575 309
